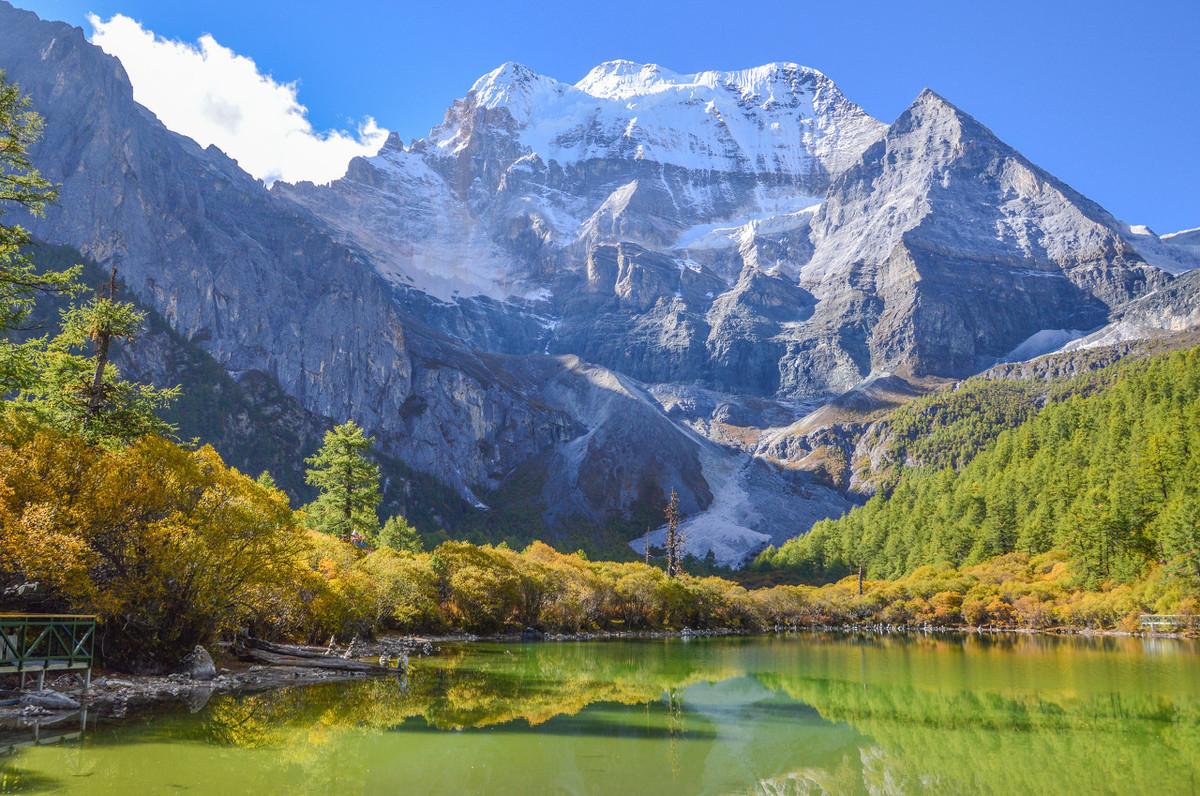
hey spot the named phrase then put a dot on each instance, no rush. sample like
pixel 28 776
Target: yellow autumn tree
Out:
pixel 168 545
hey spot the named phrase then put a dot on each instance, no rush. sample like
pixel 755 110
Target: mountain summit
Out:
pixel 525 167
pixel 939 222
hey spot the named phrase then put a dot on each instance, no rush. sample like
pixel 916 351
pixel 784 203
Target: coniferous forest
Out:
pixel 1107 476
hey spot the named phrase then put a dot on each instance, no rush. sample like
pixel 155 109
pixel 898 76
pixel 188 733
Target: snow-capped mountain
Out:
pixel 525 168
pixel 938 223
pixel 591 294
pixel 753 231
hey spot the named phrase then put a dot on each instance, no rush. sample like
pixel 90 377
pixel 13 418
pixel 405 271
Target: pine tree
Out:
pixel 398 534
pixel 349 485
pixel 1180 530
pixel 83 393
pixel 1102 472
pixel 20 282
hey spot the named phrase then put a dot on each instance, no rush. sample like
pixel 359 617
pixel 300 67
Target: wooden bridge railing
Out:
pixel 46 642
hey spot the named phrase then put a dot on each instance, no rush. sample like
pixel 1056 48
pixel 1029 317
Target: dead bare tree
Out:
pixel 674 537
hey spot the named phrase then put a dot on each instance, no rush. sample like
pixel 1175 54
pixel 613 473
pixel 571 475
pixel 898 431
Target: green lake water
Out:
pixel 770 715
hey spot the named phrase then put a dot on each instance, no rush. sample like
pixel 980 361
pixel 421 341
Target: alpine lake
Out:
pixel 783 714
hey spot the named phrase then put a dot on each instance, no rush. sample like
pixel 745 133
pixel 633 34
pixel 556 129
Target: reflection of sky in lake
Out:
pixel 1011 714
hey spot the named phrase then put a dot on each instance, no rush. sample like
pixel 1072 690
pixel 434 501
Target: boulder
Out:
pixel 48 700
pixel 198 664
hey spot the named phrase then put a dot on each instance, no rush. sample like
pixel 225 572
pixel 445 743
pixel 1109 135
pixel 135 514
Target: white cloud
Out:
pixel 215 96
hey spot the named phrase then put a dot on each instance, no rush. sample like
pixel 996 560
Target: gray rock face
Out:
pixel 1173 308
pixel 938 225
pixel 194 236
pixel 526 173
pixel 251 278
pixel 1176 252
pixel 901 244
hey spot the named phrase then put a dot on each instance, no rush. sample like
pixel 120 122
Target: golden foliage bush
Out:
pixel 166 545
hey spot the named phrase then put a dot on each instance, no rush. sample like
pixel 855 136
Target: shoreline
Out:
pixel 115 696
pixel 870 629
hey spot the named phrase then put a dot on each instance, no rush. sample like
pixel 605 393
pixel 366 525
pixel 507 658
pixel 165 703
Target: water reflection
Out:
pixel 768 715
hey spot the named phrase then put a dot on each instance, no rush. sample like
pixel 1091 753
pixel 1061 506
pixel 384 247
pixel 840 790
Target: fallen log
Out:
pixel 334 664
pixel 291 650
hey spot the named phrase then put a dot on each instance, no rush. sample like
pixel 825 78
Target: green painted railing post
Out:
pixel 46 642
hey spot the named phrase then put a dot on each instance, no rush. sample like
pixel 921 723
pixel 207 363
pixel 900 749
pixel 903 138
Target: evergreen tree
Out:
pixel 398 534
pixel 1179 527
pixel 1104 472
pixel 349 485
pixel 85 394
pixel 20 283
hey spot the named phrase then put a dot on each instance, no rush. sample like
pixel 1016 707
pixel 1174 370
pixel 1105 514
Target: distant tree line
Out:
pixel 1110 476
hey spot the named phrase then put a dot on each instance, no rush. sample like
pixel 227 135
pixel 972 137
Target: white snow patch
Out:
pixel 780 216
pixel 1178 233
pixel 724 528
pixel 1175 252
pixel 1042 342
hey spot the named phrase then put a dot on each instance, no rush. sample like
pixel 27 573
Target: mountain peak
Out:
pixel 623 79
pixel 941 184
pixel 504 74
pixel 779 118
pixel 499 84
pixel 930 105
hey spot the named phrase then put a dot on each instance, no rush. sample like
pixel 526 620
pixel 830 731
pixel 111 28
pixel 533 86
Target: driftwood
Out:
pixel 291 650
pixel 252 649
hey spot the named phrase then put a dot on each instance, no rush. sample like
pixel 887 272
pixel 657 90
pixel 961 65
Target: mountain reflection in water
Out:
pixel 798 714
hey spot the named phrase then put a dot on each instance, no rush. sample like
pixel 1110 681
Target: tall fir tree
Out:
pixel 349 485
pixel 23 187
pixel 79 390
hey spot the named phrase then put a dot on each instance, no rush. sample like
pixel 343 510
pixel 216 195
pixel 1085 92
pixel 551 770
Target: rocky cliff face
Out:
pixel 251 278
pixel 276 297
pixel 609 290
pixel 1171 309
pixel 937 224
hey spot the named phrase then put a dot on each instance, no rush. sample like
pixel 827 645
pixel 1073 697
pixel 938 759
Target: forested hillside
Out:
pixel 1107 475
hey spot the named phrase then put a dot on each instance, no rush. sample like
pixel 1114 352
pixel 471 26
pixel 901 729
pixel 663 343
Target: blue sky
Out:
pixel 1105 95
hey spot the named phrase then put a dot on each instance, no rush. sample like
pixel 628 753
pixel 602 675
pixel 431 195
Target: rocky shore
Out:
pixel 114 695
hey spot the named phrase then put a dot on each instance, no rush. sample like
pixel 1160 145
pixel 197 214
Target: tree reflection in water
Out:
pixel 775 715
